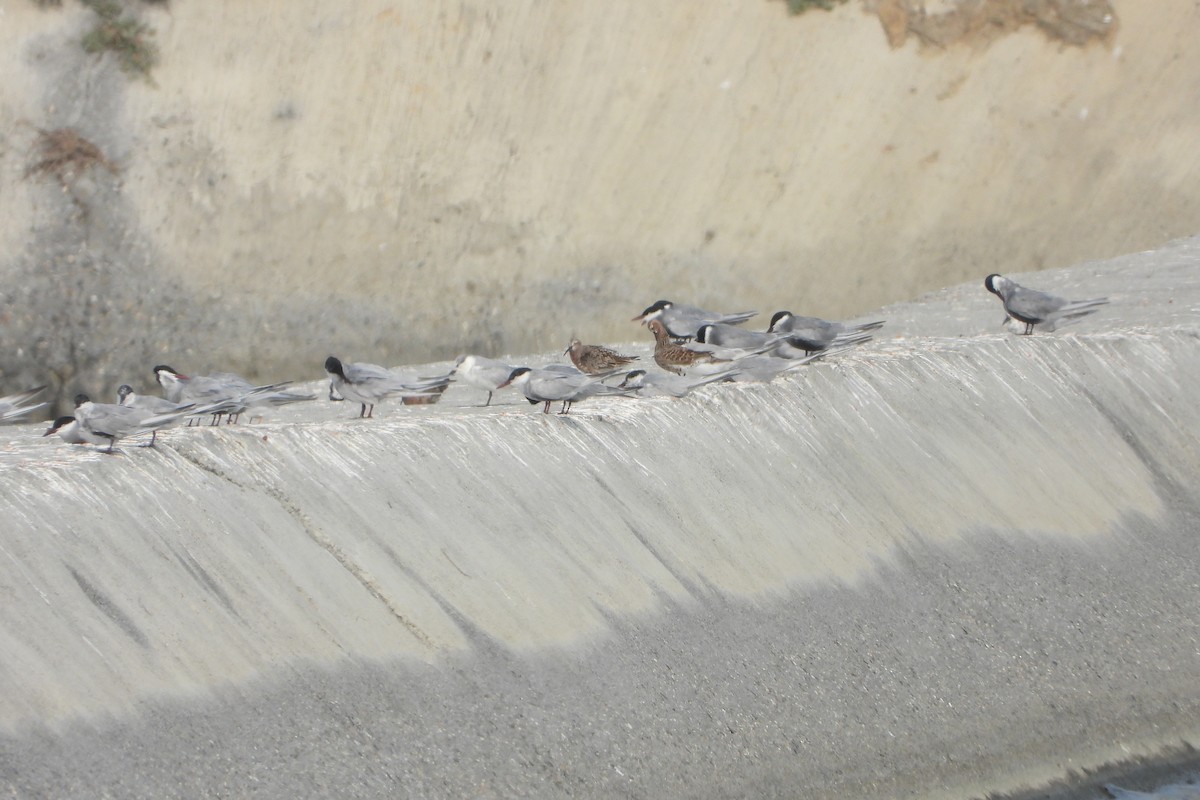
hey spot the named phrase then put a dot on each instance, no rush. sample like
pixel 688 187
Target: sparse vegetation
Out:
pixel 65 154
pixel 130 40
pixel 980 22
pixel 800 6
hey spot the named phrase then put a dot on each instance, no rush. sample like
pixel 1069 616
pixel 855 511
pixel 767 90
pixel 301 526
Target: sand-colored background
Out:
pixel 397 181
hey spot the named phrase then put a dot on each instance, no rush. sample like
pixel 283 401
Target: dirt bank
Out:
pixel 399 181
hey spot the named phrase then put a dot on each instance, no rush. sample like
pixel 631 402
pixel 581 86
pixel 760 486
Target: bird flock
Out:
pixel 693 347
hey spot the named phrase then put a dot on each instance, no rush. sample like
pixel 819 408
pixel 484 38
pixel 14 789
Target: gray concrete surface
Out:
pixel 952 562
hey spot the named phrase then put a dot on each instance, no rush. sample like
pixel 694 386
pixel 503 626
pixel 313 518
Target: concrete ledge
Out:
pixel 953 561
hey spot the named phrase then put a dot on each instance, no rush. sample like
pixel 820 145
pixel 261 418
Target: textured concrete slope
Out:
pixel 953 560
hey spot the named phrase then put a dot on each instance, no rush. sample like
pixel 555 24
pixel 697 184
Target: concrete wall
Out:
pixel 401 181
pixel 950 562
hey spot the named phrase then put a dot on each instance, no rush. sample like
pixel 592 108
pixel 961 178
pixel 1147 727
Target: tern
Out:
pixel 368 384
pixel 806 335
pixel 732 343
pixel 646 384
pixel 70 432
pixel 154 405
pixel 108 422
pixel 681 322
pixel 1038 308
pixel 482 373
pixel 547 385
pixel 223 392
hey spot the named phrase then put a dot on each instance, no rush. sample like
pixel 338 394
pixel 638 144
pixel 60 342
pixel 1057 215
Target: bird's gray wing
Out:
pixel 864 326
pixel 158 421
pixel 412 382
pixel 812 333
pixel 206 390
pixel 495 373
pixel 363 373
pixel 272 395
pixel 15 405
pixel 684 321
pixel 1030 305
pixel 112 421
pixel 724 335
pixel 554 385
pixel 156 405
pixel 736 319
pixel 235 383
pixel 1079 308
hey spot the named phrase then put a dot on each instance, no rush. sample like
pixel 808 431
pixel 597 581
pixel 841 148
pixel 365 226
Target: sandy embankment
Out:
pixel 402 181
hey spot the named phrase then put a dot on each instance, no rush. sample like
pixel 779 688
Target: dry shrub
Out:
pixel 800 6
pixel 65 154
pixel 128 39
pixel 979 22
